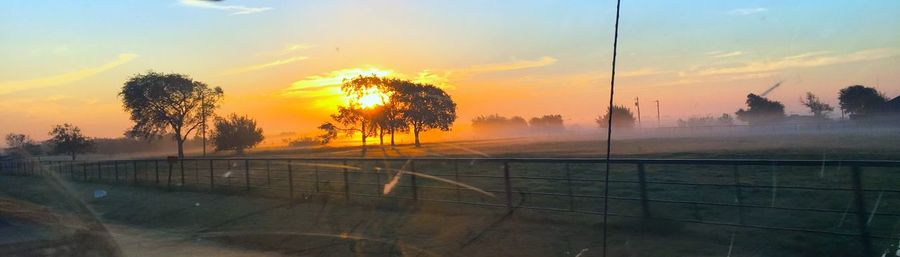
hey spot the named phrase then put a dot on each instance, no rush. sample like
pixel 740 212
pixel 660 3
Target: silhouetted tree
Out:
pixel 860 101
pixel 21 145
pixel 236 133
pixel 352 119
pixel 816 106
pixel 159 103
pixel 622 117
pixel 67 139
pixel 547 123
pixel 424 107
pixel 761 110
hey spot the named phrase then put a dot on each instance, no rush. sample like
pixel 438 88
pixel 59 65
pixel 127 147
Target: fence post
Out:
pixel 569 183
pixel 861 212
pixel 212 176
pixel 456 177
pixel 412 180
pixel 346 182
pixel 84 171
pixel 316 170
pixel 169 179
pixel 247 173
pixel 181 169
pixel 642 178
pixel 99 171
pixel 290 177
pixel 116 168
pixel 72 170
pixel 134 170
pixel 737 194
pixel 269 173
pixel 197 173
pixel 156 168
pixel 507 185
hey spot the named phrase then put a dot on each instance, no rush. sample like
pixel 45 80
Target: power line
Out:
pixel 612 91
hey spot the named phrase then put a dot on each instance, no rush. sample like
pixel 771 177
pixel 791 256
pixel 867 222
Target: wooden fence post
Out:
pixel 156 168
pixel 571 192
pixel 737 194
pixel 181 169
pixel 508 185
pixel 212 176
pixel 412 181
pixel 290 178
pixel 642 178
pixel 135 171
pixel 316 170
pixel 346 182
pixel 247 173
pixel 861 212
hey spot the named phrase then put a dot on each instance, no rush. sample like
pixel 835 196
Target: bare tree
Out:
pixel 816 106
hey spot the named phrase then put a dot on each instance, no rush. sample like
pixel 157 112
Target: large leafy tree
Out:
pixel 860 101
pixel 236 133
pixel 22 145
pixel 67 139
pixel 761 110
pixel 622 117
pixel 424 107
pixel 161 103
pixel 818 108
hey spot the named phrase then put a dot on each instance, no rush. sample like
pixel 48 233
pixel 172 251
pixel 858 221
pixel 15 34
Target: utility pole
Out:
pixel 637 102
pixel 658 123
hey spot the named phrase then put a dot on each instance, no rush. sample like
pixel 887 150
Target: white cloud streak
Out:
pixel 232 9
pixel 9 87
pixel 264 65
pixel 748 11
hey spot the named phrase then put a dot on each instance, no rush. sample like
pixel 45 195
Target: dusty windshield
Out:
pixel 450 128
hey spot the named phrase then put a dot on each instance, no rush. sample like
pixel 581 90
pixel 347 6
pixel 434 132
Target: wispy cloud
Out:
pixel 296 47
pixel 748 11
pixel 61 79
pixel 264 65
pixel 233 9
pixel 507 66
pixel 641 73
pixel 806 60
pixel 726 54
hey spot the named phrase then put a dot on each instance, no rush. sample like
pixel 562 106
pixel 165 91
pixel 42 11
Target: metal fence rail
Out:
pixel 811 196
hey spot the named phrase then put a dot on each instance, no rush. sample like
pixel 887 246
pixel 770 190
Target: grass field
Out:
pixel 327 224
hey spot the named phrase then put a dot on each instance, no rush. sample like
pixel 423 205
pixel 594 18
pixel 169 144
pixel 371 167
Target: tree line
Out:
pixel 858 102
pixel 160 105
pixel 402 106
pixel 494 123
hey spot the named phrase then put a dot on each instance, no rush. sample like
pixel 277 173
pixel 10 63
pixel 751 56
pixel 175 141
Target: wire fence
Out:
pixel 858 199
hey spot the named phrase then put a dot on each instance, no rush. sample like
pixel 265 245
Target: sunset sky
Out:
pixel 281 61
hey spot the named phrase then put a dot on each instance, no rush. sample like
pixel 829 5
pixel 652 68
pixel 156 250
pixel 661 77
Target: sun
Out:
pixel 372 98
